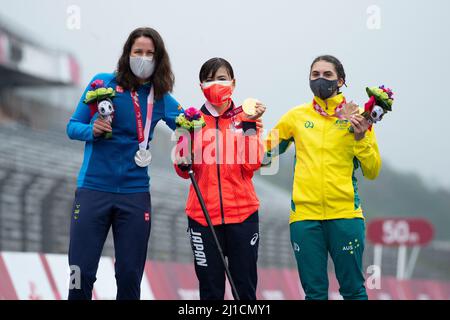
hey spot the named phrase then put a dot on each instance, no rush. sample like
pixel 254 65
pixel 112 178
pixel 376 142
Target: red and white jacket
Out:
pixel 224 177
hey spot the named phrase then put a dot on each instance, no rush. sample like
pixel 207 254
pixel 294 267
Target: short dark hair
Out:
pixel 162 78
pixel 211 66
pixel 333 60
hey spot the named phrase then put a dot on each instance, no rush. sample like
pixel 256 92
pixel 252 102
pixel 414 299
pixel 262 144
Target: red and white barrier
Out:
pixel 33 276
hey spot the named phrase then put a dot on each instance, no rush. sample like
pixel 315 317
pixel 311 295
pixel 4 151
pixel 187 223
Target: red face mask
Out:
pixel 217 92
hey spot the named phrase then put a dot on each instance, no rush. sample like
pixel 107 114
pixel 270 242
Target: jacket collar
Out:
pixel 209 110
pixel 330 104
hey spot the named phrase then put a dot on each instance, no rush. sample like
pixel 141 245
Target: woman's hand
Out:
pixel 183 163
pixel 360 126
pixel 259 111
pixel 101 127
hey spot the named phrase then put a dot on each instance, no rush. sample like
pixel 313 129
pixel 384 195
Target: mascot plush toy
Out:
pixel 187 123
pixel 380 102
pixel 99 100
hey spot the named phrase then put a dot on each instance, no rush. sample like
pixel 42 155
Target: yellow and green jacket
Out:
pixel 326 158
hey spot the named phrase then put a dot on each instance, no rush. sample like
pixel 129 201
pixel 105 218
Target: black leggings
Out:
pixel 239 243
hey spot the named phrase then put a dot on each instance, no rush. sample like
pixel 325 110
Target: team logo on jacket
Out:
pixel 309 125
pixel 341 124
pixel 254 239
pixel 296 247
pixel 351 246
pixel 147 216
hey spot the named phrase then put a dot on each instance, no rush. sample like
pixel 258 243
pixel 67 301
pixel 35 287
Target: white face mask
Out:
pixel 142 67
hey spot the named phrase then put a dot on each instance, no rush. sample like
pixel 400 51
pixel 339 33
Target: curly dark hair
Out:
pixel 162 78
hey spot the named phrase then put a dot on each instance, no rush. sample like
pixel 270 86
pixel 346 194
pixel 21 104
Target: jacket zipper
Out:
pixel 323 166
pixel 323 173
pixel 218 170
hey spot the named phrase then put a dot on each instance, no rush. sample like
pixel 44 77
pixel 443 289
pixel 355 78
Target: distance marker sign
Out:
pixel 400 231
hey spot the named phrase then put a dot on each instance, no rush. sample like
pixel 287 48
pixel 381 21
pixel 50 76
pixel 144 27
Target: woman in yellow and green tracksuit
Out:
pixel 326 214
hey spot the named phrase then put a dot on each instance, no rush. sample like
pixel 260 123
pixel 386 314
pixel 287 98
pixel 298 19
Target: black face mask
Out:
pixel 323 88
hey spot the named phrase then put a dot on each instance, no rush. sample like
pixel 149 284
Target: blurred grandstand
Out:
pixel 39 165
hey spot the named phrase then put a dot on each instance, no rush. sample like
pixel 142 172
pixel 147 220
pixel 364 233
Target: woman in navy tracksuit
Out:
pixel 112 189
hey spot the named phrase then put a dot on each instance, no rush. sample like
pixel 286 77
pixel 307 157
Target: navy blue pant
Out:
pixel 239 243
pixel 93 214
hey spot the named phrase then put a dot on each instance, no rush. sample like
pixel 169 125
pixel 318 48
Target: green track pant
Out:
pixel 312 240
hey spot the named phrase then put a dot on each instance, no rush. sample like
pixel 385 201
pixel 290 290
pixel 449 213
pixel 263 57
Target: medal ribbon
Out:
pixel 322 112
pixel 232 113
pixel 229 114
pixel 143 133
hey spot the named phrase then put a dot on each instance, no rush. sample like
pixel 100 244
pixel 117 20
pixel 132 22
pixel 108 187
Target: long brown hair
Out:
pixel 162 78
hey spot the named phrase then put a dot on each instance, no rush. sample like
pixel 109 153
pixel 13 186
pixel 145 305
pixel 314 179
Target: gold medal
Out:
pixel 249 106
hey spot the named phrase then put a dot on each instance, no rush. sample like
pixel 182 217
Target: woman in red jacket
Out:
pixel 225 156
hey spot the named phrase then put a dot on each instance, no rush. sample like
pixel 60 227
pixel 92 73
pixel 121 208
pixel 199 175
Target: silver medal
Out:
pixel 143 158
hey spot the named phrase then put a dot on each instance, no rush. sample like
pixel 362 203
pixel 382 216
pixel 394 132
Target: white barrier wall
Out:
pixel 46 277
pixel 33 276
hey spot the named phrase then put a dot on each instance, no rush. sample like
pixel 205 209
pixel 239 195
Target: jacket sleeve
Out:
pixel 171 110
pixel 80 126
pixel 368 155
pixel 251 151
pixel 279 138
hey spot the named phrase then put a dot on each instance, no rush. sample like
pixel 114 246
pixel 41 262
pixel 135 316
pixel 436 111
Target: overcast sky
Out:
pixel 271 45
